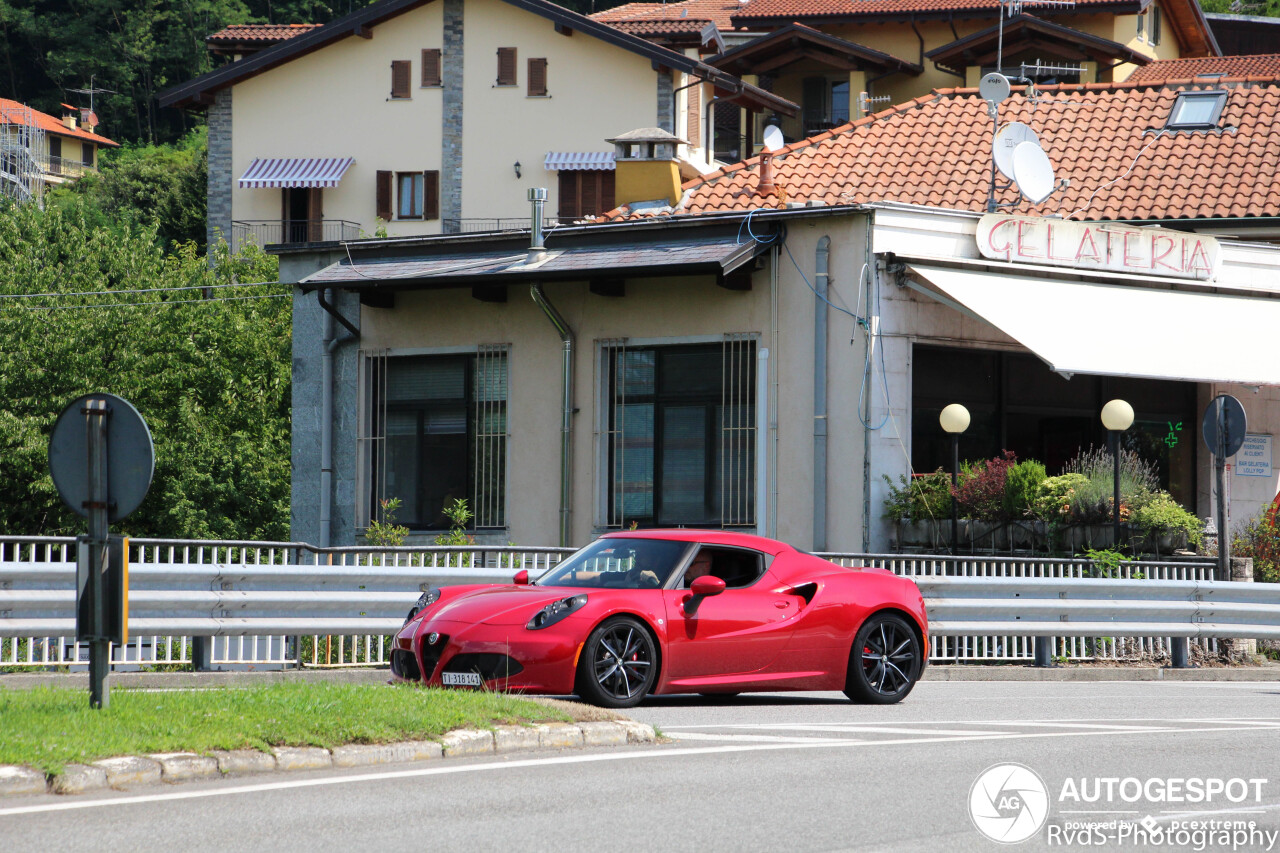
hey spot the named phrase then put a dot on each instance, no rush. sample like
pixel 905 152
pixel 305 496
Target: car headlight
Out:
pixel 428 598
pixel 555 611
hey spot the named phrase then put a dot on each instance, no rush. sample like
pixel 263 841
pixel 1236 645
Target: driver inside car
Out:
pixel 700 567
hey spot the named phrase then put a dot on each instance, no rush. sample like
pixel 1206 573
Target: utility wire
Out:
pixel 159 302
pixel 135 290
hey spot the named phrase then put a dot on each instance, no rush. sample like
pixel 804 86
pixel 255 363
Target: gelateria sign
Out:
pixel 1110 246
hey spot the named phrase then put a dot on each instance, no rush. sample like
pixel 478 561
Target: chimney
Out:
pixel 69 114
pixel 537 201
pixel 88 119
pixel 646 167
pixel 766 185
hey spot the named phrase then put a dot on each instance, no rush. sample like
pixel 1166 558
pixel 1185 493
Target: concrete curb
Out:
pixel 133 771
pixel 974 672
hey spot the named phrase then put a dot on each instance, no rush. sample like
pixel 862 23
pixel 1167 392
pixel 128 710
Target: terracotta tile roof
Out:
pixel 690 26
pixel 773 11
pixel 1106 139
pixel 263 34
pixel 1260 67
pixel 13 112
pixel 717 11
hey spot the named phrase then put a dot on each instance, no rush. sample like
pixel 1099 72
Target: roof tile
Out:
pixel 1108 142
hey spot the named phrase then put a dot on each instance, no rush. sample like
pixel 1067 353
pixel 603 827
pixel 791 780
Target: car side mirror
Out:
pixel 707 585
pixel 701 588
pixel 521 578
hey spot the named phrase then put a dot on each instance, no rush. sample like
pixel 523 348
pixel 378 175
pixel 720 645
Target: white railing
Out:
pixel 291 604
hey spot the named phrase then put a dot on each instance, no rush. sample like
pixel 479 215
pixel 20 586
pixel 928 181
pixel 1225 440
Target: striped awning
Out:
pixel 294 172
pixel 601 161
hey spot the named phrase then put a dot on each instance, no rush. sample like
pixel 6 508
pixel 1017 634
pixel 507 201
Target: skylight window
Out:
pixel 1196 110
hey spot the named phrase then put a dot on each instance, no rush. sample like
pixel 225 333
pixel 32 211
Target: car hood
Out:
pixel 497 605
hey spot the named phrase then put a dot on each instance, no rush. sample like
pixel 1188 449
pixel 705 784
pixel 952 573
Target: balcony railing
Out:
pixel 463 226
pixel 265 232
pixel 64 168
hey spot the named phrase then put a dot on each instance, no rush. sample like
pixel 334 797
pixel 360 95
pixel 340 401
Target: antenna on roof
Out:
pixel 865 102
pixel 91 91
pixel 1015 7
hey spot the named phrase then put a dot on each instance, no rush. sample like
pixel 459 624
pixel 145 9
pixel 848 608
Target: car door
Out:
pixel 740 631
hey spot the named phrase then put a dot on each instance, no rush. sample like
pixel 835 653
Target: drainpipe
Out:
pixel 538 198
pixel 820 397
pixel 328 345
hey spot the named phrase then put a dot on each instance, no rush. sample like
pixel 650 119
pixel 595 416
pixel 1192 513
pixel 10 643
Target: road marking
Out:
pixel 855 728
pixel 751 738
pixel 628 755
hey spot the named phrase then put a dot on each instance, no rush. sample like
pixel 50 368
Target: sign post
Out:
pixel 102 459
pixel 1224 431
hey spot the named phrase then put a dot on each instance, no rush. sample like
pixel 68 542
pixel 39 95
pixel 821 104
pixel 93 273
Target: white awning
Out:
pixel 1118 330
pixel 297 172
pixel 601 161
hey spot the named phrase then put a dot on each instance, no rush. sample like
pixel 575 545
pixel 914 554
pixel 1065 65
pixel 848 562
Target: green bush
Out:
pixel 1053 502
pixel 1022 488
pixel 919 498
pixel 1162 514
pixel 1260 539
pixel 1091 501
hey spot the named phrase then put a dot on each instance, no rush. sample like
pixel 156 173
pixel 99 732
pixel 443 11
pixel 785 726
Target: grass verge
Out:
pixel 48 728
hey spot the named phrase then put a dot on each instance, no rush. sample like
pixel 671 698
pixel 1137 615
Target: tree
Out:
pixel 160 185
pixel 210 377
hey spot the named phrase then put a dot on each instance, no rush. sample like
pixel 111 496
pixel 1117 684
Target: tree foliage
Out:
pixel 144 185
pixel 210 377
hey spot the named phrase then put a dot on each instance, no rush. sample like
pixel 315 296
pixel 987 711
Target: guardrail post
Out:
pixel 1179 652
pixel 202 654
pixel 1044 651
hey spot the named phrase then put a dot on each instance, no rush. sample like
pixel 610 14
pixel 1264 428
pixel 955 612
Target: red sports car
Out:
pixel 674 611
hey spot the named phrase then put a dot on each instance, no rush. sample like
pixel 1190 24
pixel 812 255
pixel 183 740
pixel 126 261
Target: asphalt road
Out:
pixel 795 772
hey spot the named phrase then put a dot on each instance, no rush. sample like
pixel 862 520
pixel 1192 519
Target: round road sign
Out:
pixel 1224 426
pixel 131 457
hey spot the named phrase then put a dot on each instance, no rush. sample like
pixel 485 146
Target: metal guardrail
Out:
pixel 258 598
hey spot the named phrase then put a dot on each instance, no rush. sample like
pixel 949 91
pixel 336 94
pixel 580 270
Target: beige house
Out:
pixel 842 60
pixel 39 150
pixel 411 118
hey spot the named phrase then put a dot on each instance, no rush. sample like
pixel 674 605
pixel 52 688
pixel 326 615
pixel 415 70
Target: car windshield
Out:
pixel 618 564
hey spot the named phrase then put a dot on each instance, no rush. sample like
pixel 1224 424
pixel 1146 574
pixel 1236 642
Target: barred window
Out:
pixel 681 433
pixel 435 430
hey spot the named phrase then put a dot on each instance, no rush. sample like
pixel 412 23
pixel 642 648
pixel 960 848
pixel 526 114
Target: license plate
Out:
pixel 466 679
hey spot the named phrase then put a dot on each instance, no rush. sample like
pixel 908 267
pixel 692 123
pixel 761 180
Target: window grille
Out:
pixel 433 429
pixel 679 434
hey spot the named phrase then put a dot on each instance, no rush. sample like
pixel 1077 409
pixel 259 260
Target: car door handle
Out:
pixel 782 605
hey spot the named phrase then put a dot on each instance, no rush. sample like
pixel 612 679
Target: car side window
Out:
pixel 737 567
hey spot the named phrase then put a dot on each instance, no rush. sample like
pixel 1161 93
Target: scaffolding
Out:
pixel 22 151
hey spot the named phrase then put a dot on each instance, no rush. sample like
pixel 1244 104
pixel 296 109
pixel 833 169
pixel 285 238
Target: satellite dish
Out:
pixel 994 87
pixel 773 138
pixel 1033 172
pixel 1010 137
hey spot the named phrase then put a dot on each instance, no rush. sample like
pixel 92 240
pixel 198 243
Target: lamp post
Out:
pixel 1117 416
pixel 954 420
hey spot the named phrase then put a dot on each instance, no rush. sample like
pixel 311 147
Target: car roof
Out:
pixel 708 537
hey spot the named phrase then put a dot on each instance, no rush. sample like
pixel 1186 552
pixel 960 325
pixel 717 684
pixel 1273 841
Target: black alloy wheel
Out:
pixel 619 664
pixel 885 661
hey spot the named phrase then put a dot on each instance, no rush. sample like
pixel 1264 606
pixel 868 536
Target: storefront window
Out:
pixel 1017 403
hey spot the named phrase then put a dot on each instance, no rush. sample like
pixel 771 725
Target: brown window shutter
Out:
pixel 606 192
pixel 694 132
pixel 431 66
pixel 590 198
pixel 400 72
pixel 538 76
pixel 568 195
pixel 506 66
pixel 430 195
pixel 384 196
